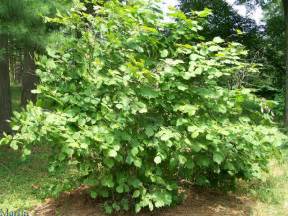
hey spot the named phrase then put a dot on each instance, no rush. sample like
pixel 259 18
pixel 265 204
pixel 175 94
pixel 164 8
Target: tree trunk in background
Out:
pixel 19 67
pixel 285 6
pixel 5 94
pixel 29 78
pixel 15 63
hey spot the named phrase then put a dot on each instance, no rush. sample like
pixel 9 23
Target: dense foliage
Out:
pixel 264 42
pixel 22 33
pixel 137 104
pixel 22 21
pixel 225 21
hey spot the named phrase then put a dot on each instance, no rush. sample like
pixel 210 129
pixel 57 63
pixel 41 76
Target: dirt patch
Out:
pixel 197 203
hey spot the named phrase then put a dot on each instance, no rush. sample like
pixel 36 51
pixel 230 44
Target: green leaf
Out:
pixel 195 134
pixel 182 87
pixel 203 161
pixel 138 208
pixel 52 52
pixel 14 145
pixel 214 48
pixel 206 12
pixel 120 189
pixel 136 194
pixel 143 110
pixel 218 40
pixel 26 152
pixel 93 194
pixel 162 199
pixel 192 72
pixel 108 209
pixel 16 128
pixel 196 147
pixel 174 62
pixel 136 183
pixel 157 160
pixel 116 206
pixel 109 162
pixel 134 151
pixel 182 159
pixel 187 108
pixel 149 131
pixel 166 136
pixel 218 157
pixel 164 53
pixel 151 206
pixel 181 121
pixel 148 92
pixel 190 164
pixel 229 166
pixel 194 57
pixel 125 204
pixel 112 153
pixel 137 163
pixel 107 181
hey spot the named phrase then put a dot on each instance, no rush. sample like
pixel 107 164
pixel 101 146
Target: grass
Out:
pixel 22 182
pixel 272 194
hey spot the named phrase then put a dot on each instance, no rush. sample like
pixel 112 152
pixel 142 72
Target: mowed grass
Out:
pixel 23 182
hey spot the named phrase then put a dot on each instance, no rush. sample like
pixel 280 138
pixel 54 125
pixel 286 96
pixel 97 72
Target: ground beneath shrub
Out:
pixel 197 203
pixel 24 184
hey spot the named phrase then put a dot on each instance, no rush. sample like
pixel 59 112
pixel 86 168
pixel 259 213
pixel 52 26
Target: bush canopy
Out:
pixel 137 101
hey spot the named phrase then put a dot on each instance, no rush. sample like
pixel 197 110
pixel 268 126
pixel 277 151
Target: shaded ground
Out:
pixel 20 179
pixel 24 185
pixel 198 203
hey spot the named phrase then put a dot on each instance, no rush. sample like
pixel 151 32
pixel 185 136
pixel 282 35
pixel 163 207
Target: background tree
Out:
pixel 276 10
pixel 10 17
pixel 228 24
pixel 5 94
pixel 265 42
pixel 224 21
pixel 23 32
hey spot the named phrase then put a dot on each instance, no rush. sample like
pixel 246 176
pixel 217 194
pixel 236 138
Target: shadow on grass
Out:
pixel 21 182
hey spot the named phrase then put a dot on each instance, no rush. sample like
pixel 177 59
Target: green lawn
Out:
pixel 23 183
